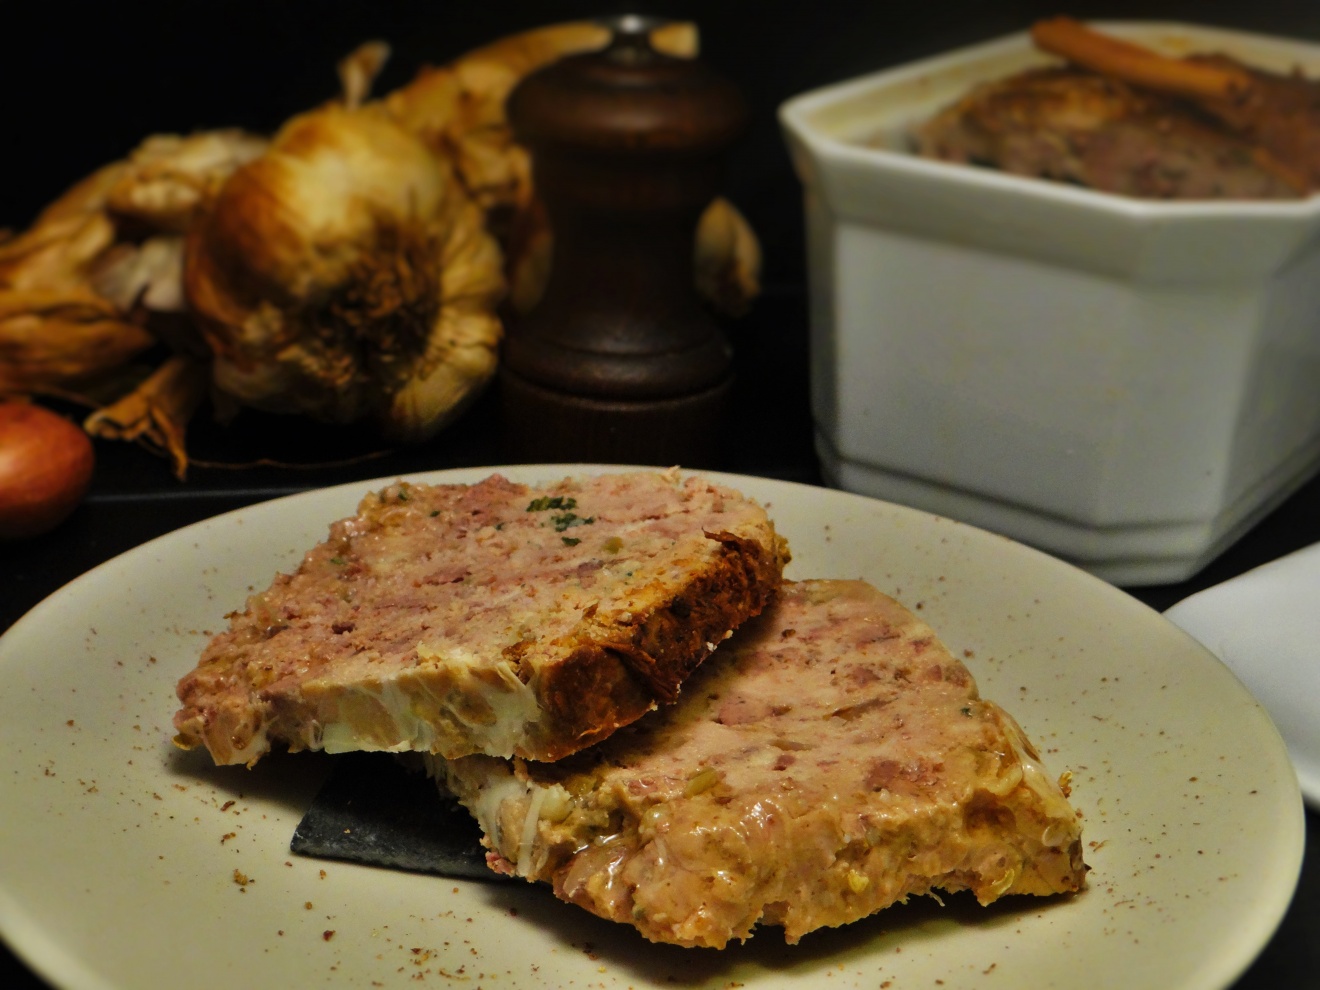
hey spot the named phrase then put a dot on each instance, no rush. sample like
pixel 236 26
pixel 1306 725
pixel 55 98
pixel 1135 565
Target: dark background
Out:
pixel 82 84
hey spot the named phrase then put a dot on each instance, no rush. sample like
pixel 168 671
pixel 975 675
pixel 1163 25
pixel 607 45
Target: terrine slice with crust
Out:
pixel 491 618
pixel 837 760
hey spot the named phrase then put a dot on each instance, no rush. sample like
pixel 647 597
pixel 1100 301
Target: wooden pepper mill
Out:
pixel 620 361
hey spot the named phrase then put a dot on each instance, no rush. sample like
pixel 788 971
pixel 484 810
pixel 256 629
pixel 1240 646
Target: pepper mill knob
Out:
pixel 620 361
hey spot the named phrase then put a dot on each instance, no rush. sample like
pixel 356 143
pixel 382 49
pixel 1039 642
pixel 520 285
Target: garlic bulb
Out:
pixel 64 243
pixel 169 176
pixel 57 335
pixel 58 342
pixel 152 193
pixel 92 292
pixel 344 275
pixel 727 259
pixel 458 108
pixel 84 289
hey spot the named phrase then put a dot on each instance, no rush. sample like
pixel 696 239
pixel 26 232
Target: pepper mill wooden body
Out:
pixel 620 362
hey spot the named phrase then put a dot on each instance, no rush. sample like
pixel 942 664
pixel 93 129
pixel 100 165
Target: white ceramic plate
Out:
pixel 1265 626
pixel 126 863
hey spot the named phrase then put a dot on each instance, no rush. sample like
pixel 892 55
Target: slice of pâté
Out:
pixel 837 759
pixel 490 618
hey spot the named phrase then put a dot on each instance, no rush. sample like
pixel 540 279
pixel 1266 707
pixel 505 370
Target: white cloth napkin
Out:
pixel 1265 626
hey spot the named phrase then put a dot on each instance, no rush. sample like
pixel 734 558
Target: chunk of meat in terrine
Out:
pixel 836 761
pixel 493 618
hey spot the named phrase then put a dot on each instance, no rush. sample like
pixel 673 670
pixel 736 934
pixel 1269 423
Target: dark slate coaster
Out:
pixel 373 810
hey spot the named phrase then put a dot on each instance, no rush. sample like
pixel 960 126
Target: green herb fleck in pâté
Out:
pixel 551 502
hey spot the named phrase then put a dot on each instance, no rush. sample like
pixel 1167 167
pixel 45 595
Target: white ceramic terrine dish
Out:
pixel 1128 384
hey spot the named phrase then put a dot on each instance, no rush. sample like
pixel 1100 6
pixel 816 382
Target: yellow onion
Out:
pixel 344 275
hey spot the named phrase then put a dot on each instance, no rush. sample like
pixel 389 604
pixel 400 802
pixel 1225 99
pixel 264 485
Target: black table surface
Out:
pixel 135 498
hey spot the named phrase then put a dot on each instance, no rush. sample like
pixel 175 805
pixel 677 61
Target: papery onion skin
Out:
pixel 46 467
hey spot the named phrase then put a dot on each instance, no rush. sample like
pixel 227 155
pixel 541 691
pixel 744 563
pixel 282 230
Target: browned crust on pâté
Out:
pixel 610 682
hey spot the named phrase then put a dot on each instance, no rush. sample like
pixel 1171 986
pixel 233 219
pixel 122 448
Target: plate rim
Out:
pixel 47 957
